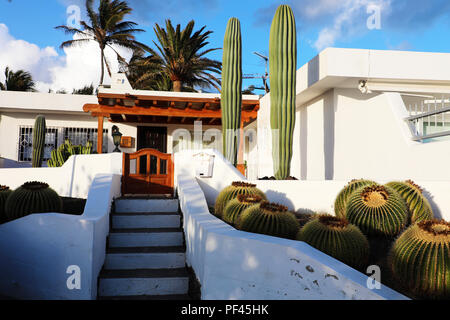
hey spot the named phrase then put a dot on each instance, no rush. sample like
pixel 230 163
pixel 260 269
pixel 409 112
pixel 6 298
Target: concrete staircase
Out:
pixel 145 258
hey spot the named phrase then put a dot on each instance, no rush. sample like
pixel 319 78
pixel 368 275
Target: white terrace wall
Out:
pixel 302 196
pixel 73 179
pixel 344 134
pixel 37 251
pixel 232 264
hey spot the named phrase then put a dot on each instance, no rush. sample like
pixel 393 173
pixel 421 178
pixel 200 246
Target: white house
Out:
pixel 351 119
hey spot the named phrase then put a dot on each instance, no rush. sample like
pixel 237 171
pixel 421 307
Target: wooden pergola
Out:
pixel 167 109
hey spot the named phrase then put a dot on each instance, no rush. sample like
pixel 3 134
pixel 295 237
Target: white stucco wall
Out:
pixel 73 179
pixel 232 264
pixel 36 250
pixel 344 134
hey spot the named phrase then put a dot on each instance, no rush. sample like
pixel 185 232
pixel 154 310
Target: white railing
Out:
pixel 429 118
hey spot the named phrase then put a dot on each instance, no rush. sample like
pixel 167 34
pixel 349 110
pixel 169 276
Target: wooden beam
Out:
pixel 174 112
pixel 100 135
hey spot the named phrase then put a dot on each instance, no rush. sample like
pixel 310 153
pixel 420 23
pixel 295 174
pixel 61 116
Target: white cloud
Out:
pixel 348 21
pixel 79 66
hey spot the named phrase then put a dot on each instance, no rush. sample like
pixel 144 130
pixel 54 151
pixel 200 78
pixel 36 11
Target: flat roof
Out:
pixel 344 68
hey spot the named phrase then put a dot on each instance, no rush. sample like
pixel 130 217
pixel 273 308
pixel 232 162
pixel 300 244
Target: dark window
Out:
pixel 26 143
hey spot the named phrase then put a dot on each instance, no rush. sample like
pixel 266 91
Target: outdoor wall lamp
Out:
pixel 117 137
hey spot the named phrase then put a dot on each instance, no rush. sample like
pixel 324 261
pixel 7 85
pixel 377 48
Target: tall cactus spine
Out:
pixel 283 66
pixel 231 93
pixel 38 141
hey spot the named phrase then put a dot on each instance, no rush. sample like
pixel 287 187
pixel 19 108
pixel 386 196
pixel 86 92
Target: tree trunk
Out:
pixel 102 56
pixel 177 86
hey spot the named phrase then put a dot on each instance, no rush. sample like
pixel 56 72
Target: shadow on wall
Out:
pixel 10 164
pixel 436 211
pixel 280 198
pixel 329 111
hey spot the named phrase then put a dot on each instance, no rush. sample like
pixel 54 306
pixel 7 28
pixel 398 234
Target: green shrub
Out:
pixel 420 259
pixel 270 219
pixel 337 238
pixel 231 192
pixel 32 197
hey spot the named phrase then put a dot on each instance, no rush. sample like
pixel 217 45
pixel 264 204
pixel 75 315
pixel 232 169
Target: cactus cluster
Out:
pixel 5 192
pixel 377 210
pixel 418 206
pixel 270 219
pixel 60 155
pixel 283 75
pixel 231 192
pixel 235 207
pixel 231 93
pixel 420 259
pixel 337 238
pixel 38 142
pixel 32 197
pixel 342 198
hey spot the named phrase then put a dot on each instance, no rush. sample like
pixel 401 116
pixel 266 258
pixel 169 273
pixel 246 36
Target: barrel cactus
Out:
pixel 283 70
pixel 418 206
pixel 345 193
pixel 270 219
pixel 32 197
pixel 235 207
pixel 377 210
pixel 337 238
pixel 420 259
pixel 5 192
pixel 38 142
pixel 231 192
pixel 231 92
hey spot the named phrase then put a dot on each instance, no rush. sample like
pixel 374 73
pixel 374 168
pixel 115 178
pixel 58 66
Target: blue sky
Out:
pixel 28 39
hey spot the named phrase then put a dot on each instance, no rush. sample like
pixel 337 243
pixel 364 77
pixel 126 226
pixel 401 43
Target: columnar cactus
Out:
pixel 235 207
pixel 270 219
pixel 231 192
pixel 418 206
pixel 337 238
pixel 32 197
pixel 345 193
pixel 377 210
pixel 60 155
pixel 231 93
pixel 38 142
pixel 283 67
pixel 420 259
pixel 5 192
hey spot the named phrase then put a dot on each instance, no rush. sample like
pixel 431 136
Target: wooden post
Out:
pixel 240 163
pixel 100 135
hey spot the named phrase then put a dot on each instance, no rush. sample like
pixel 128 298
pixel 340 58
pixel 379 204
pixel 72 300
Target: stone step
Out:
pixel 146 237
pixel 145 220
pixel 145 258
pixel 143 282
pixel 146 205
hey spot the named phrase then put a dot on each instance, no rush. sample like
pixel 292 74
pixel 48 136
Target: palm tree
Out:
pixel 107 27
pixel 17 81
pixel 86 90
pixel 182 59
pixel 143 72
